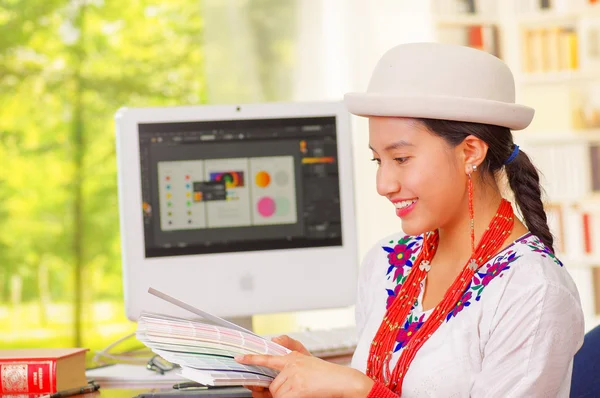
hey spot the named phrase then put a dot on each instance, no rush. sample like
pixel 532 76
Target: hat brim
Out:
pixel 463 109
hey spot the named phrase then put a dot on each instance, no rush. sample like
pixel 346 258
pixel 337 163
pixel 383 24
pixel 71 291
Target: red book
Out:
pixel 476 37
pixel 41 371
pixel 587 236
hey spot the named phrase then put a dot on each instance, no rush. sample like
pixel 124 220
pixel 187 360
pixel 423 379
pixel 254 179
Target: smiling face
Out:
pixel 419 172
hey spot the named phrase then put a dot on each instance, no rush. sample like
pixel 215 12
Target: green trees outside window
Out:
pixel 66 66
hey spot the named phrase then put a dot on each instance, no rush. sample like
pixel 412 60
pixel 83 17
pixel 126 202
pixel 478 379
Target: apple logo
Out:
pixel 247 283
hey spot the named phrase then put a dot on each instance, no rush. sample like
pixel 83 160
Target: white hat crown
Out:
pixel 442 81
pixel 434 69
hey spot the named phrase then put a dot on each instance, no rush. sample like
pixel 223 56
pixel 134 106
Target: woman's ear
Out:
pixel 473 151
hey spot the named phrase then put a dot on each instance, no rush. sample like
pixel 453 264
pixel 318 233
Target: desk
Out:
pixel 141 382
pixel 113 393
pixel 233 392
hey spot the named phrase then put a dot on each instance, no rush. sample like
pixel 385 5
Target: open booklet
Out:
pixel 205 348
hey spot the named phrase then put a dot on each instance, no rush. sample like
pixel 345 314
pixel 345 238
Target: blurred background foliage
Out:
pixel 66 67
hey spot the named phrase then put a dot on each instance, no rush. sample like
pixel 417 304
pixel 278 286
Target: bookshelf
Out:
pixel 558 77
pixel 553 49
pixel 463 20
pixel 468 22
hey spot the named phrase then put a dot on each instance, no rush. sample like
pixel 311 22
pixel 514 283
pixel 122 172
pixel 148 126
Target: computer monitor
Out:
pixel 237 209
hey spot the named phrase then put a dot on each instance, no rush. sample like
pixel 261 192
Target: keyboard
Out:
pixel 327 343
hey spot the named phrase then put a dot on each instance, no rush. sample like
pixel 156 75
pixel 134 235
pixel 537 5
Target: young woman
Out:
pixel 469 300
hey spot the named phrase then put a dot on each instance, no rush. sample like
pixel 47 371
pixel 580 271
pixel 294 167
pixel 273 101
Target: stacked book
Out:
pixel 43 371
pixel 205 348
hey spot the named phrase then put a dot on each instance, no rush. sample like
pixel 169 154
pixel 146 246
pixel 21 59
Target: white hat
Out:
pixel 442 81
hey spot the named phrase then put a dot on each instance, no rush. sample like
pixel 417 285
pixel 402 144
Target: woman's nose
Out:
pixel 387 181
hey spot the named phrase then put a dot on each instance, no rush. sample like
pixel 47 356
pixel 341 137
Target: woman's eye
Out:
pixel 378 161
pixel 400 160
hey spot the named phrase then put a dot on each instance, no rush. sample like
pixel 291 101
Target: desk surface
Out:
pixel 233 392
pixel 136 389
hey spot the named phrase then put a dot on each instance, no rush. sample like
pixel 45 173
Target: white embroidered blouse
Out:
pixel 513 334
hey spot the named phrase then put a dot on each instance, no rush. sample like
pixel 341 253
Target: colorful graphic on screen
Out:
pixel 232 179
pixel 266 207
pixel 263 179
pixel 313 160
pixel 223 193
pixel 272 179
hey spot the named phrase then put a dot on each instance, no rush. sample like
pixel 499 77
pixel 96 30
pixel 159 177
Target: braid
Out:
pixel 524 181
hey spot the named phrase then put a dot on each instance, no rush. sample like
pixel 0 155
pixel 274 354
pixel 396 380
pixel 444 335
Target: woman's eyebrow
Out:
pixel 395 145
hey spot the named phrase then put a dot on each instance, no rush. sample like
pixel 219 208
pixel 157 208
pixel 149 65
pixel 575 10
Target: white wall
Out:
pixel 340 41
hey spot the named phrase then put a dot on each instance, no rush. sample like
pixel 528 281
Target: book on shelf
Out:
pixel 465 7
pixel 41 371
pixel 204 347
pixel 596 288
pixel 595 168
pixel 454 7
pixel 590 222
pixel 536 6
pixel 550 49
pixel 587 233
pixel 481 37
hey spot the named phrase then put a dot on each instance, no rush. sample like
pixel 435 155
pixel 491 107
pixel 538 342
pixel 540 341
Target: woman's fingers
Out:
pixel 256 388
pixel 278 383
pixel 259 392
pixel 269 361
pixel 291 344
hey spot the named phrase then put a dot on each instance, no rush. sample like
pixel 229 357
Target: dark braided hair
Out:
pixel 523 177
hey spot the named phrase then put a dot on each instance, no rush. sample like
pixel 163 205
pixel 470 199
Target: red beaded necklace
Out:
pixel 381 349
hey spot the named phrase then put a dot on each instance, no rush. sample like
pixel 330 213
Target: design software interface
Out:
pixel 239 185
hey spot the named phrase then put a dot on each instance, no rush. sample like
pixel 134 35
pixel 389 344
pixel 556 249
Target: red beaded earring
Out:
pixel 472 262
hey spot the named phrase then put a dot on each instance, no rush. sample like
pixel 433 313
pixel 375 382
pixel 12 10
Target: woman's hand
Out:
pixel 290 344
pixel 306 376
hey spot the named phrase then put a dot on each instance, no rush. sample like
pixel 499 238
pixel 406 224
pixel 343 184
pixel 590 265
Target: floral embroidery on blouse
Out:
pixel 482 278
pixel 539 247
pixel 409 328
pixel 401 258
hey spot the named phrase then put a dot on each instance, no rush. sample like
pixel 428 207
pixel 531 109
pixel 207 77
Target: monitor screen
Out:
pixel 227 206
pixel 227 186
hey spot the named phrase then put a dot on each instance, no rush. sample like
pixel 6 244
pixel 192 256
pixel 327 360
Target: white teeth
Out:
pixel 404 203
